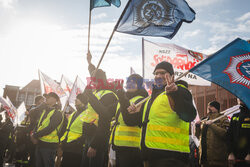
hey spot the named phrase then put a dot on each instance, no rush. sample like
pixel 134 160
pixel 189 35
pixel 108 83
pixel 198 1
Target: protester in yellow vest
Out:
pixel 126 139
pixel 73 138
pixel 165 120
pixel 103 102
pixel 46 133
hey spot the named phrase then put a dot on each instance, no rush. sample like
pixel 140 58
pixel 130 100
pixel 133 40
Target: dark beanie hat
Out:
pixel 83 98
pixel 54 95
pixel 215 104
pixel 166 66
pixel 137 78
pixel 99 74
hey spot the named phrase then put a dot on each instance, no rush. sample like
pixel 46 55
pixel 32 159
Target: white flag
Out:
pixel 9 108
pixel 77 88
pixel 66 84
pixel 49 85
pixel 182 60
pixel 236 108
pixel 20 115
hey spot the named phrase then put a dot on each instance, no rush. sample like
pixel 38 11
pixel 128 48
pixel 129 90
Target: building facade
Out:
pixel 26 94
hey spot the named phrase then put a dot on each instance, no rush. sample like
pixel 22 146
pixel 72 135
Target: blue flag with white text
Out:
pixel 161 18
pixel 103 3
pixel 229 68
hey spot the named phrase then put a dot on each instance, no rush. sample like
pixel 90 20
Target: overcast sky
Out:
pixel 51 35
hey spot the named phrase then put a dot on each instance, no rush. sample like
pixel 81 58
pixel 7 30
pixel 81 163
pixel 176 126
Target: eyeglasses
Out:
pixel 160 72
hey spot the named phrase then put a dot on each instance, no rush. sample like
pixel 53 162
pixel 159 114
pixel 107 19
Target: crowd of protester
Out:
pixel 153 134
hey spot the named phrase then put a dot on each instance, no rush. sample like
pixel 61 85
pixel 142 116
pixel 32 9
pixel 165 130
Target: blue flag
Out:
pixel 229 68
pixel 161 18
pixel 103 3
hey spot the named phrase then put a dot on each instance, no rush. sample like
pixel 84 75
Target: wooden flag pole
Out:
pixel 111 36
pixel 89 26
pixel 145 99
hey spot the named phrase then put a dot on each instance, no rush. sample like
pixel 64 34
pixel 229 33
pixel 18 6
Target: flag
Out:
pixel 49 85
pixel 234 108
pixel 161 18
pixel 229 68
pixel 103 3
pixel 181 58
pixel 20 115
pixel 9 108
pixel 66 85
pixel 78 87
pixel 132 71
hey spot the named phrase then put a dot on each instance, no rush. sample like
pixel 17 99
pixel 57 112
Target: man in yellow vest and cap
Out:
pixel 165 120
pixel 46 133
pixel 73 138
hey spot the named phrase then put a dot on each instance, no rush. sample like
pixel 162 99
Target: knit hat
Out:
pixel 166 66
pixel 83 98
pixel 137 78
pixel 215 104
pixel 54 95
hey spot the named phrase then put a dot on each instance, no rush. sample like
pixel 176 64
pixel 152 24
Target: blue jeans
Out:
pixel 45 157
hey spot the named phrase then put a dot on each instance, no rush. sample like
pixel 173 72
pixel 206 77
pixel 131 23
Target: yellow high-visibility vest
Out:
pixel 128 136
pixel 74 129
pixel 164 129
pixel 53 136
pixel 90 116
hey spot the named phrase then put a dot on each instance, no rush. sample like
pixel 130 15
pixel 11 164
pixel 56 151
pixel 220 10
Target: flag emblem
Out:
pixel 157 12
pixel 238 69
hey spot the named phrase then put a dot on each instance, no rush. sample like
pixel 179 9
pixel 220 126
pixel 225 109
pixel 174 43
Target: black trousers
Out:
pixel 71 159
pixel 165 162
pixel 128 157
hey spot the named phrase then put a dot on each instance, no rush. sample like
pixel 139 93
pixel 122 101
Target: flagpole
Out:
pixel 40 82
pixel 111 36
pixel 145 99
pixel 143 58
pixel 89 25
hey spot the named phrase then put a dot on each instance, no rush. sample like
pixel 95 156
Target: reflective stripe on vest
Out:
pixel 75 130
pixel 129 136
pixel 90 116
pixel 53 136
pixel 165 130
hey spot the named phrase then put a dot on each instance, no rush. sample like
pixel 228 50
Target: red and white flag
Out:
pixel 66 84
pixel 9 108
pixel 49 85
pixel 78 87
pixel 182 60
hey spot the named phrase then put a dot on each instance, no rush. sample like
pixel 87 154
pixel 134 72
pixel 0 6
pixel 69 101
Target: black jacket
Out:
pixel 77 145
pixel 238 134
pixel 55 120
pixel 183 107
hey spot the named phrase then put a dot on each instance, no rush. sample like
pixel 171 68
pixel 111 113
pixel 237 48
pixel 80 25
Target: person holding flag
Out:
pixel 102 106
pixel 126 138
pixel 212 148
pixel 165 120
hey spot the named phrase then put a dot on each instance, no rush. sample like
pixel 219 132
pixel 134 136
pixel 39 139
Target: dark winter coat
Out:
pixel 212 149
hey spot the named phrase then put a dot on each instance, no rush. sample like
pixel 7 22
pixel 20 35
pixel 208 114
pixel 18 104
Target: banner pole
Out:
pixel 111 36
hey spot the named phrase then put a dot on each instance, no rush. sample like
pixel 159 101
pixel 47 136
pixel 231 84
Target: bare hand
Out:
pixel 33 140
pixel 231 159
pixel 89 57
pixel 209 122
pixel 91 152
pixel 171 86
pixel 247 158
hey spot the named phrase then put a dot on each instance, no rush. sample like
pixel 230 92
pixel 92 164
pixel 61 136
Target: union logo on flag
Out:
pixel 238 69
